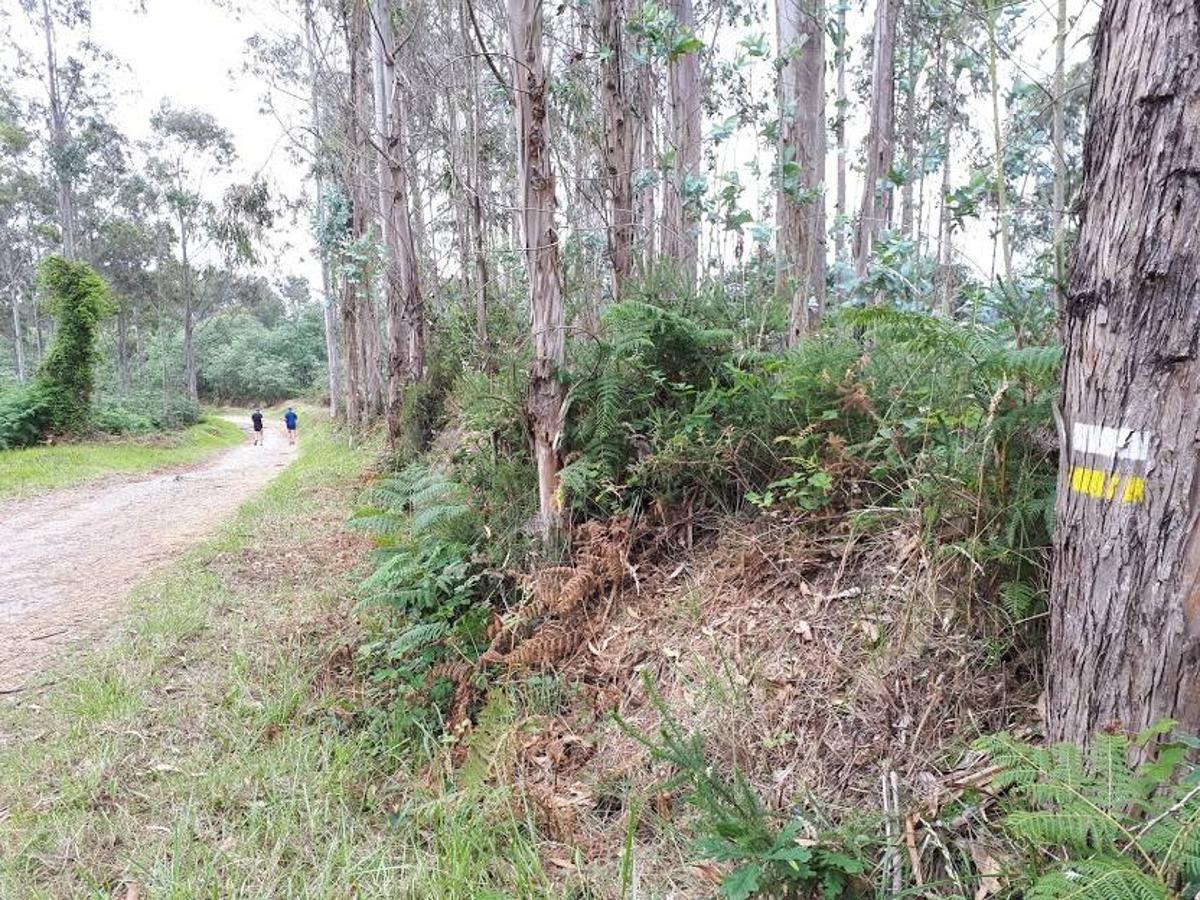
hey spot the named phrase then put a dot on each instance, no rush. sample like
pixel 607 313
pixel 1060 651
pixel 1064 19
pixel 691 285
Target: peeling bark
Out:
pixel 544 402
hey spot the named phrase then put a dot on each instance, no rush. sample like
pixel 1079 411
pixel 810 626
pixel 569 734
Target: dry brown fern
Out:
pixel 549 644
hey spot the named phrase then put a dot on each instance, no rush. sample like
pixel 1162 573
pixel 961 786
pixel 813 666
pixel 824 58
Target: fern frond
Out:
pixel 1099 878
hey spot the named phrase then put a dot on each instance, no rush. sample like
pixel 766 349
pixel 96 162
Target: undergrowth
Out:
pixel 885 419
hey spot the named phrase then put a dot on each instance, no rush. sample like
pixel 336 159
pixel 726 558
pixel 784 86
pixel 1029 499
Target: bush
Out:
pixel 25 413
pixel 881 409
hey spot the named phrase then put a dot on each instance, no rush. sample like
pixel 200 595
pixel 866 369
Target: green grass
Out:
pixel 205 752
pixel 35 470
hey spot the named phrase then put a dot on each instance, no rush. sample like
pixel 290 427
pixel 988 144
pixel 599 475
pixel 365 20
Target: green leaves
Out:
pixel 683 43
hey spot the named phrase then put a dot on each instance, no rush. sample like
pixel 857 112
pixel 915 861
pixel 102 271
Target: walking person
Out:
pixel 256 421
pixel 289 419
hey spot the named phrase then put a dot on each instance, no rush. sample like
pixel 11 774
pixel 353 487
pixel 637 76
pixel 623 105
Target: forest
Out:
pixel 747 448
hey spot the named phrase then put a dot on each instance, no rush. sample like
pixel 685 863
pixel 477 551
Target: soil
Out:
pixel 69 559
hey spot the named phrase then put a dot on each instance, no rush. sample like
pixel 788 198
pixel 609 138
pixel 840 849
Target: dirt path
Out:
pixel 68 560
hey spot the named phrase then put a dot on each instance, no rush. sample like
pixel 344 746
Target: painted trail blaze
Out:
pixel 1120 447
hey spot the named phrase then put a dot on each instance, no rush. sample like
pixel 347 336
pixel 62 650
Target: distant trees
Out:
pixel 190 146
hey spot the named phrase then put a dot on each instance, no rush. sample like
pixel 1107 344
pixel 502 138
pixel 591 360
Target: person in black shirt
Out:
pixel 256 420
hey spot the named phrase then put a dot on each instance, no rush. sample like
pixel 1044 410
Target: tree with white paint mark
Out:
pixel 1125 613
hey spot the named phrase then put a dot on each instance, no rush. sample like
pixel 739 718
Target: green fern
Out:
pixel 1098 826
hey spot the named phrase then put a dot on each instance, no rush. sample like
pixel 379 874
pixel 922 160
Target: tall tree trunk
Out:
pixel 190 374
pixel 60 140
pixel 476 191
pixel 1060 160
pixel 839 127
pixel 946 92
pixel 122 348
pixel 648 101
pixel 618 151
pixel 908 127
pixel 405 304
pixel 1125 606
pixel 328 299
pixel 946 235
pixel 681 234
pixel 358 312
pixel 18 336
pixel 875 213
pixel 1002 223
pixel 800 197
pixel 545 398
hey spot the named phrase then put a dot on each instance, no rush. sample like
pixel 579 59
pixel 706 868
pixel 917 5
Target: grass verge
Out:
pixel 209 749
pixel 35 470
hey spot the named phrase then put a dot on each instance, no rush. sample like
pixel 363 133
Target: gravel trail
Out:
pixel 69 559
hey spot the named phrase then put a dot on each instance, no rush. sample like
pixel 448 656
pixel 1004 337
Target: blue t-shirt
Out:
pixel 290 418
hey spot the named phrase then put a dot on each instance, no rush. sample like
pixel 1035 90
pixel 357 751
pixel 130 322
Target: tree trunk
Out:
pixel 18 339
pixel 328 302
pixel 405 305
pixel 476 191
pixel 122 348
pixel 875 214
pixel 545 398
pixel 681 235
pixel 1060 160
pixel 839 247
pixel 908 127
pixel 946 91
pixel 190 374
pixel 358 313
pixel 60 140
pixel 618 152
pixel 1002 225
pixel 648 98
pixel 1125 607
pixel 800 197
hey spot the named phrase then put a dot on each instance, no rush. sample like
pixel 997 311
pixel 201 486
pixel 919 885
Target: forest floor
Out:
pixel 72 556
pixel 37 470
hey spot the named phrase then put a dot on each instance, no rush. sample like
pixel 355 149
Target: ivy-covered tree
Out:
pixel 78 299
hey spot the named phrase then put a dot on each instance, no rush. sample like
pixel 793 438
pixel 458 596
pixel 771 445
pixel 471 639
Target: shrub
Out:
pixel 25 413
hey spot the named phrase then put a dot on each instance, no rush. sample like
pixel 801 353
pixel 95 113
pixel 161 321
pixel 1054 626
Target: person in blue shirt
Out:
pixel 289 419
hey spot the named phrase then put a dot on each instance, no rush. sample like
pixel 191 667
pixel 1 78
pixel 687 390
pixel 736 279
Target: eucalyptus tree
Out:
pixel 617 145
pixel 681 237
pixel 800 168
pixel 1125 604
pixel 189 148
pixel 875 211
pixel 402 284
pixel 62 80
pixel 531 96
